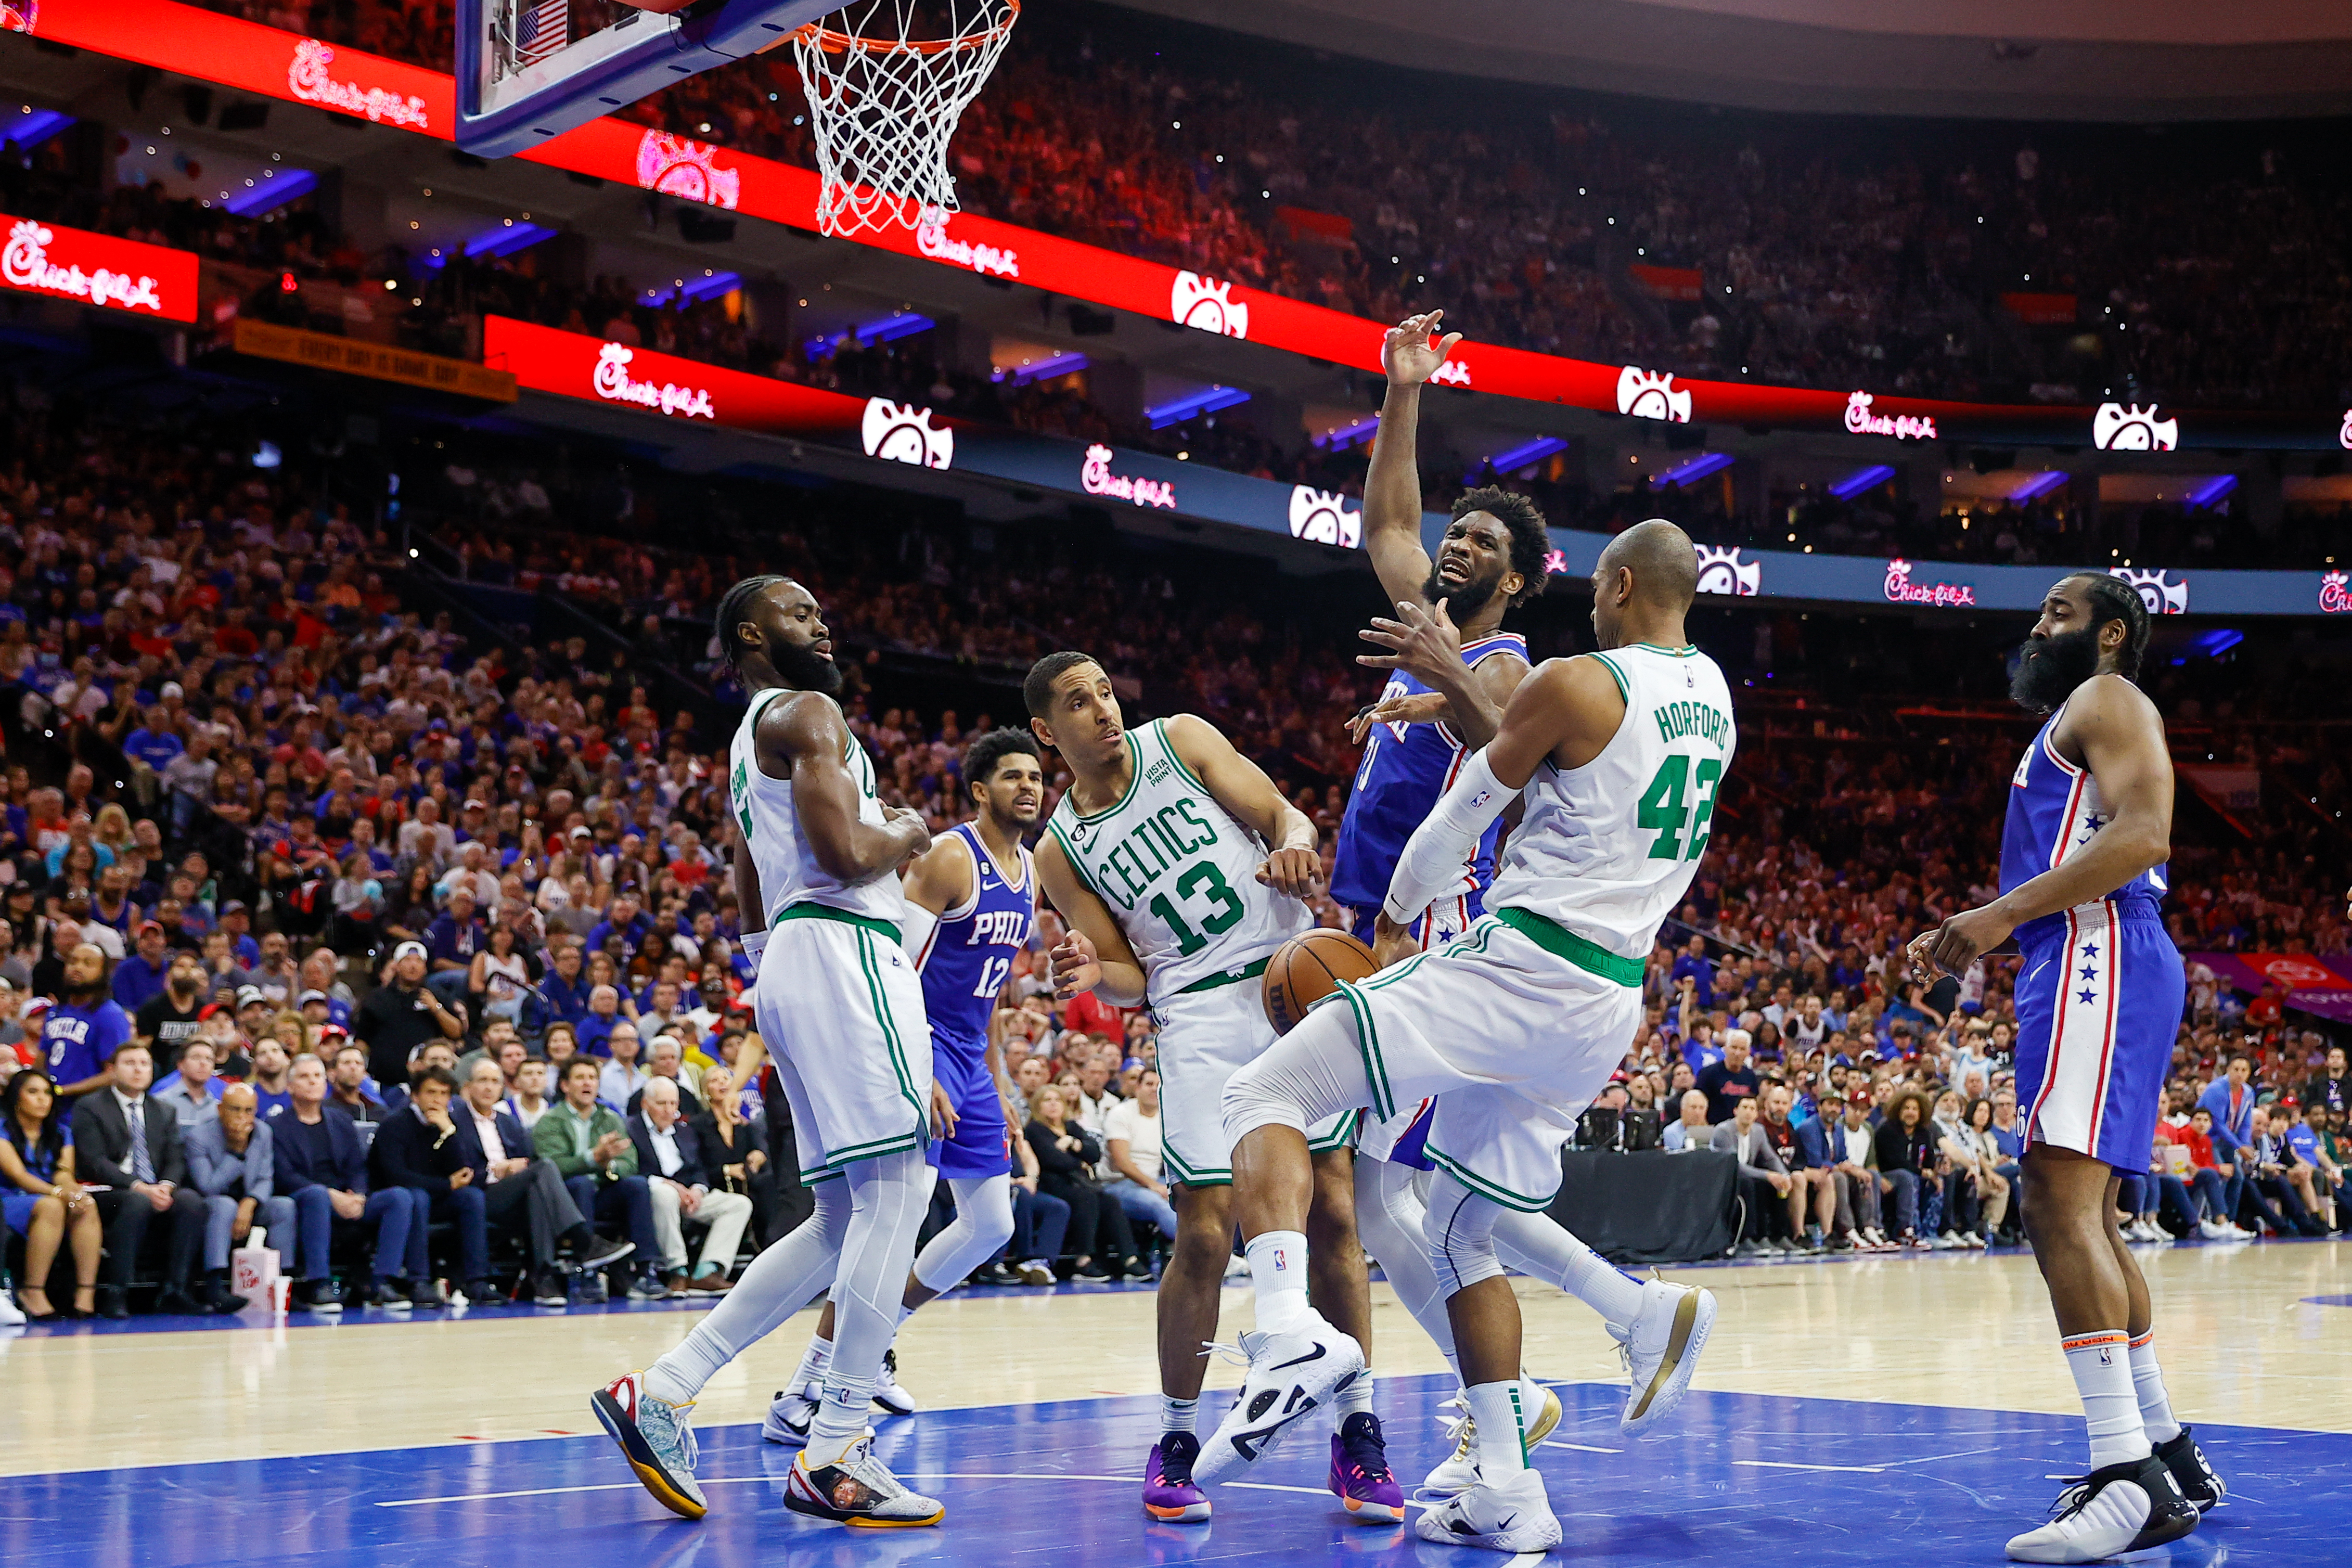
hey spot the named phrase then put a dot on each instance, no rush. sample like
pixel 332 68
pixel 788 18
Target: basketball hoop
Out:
pixel 884 104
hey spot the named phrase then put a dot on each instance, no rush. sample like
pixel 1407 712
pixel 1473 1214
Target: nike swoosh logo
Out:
pixel 1249 1444
pixel 1317 1354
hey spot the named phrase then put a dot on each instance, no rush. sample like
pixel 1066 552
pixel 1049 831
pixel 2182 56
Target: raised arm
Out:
pixel 803 739
pixel 1093 955
pixel 2121 738
pixel 1393 484
pixel 1293 864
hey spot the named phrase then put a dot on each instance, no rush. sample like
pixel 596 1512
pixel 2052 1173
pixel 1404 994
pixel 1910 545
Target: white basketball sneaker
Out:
pixel 1661 1350
pixel 2127 1506
pixel 887 1393
pixel 1290 1376
pixel 1458 1471
pixel 1511 1515
pixel 789 1416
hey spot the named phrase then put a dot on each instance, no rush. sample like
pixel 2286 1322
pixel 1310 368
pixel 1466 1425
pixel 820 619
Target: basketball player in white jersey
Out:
pixel 1455 682
pixel 841 1010
pixel 1513 1026
pixel 1179 868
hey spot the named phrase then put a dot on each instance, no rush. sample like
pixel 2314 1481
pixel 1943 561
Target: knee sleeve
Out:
pixel 984 1222
pixel 1314 1071
pixel 1461 1231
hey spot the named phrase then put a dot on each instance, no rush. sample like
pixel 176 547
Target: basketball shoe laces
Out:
pixel 669 1428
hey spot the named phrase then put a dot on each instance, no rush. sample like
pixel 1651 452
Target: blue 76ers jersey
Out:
pixel 970 955
pixel 2055 810
pixel 1406 768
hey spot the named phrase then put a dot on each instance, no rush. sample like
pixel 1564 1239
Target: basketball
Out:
pixel 1309 967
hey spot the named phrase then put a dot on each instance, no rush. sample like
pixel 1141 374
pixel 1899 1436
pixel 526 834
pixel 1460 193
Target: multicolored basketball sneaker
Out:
pixel 654 1439
pixel 1360 1471
pixel 1170 1493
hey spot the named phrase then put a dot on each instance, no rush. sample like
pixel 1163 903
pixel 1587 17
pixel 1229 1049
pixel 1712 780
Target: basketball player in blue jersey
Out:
pixel 971 907
pixel 2099 994
pixel 1454 668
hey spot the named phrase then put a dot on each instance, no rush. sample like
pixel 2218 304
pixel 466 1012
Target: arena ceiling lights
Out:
pixel 256 58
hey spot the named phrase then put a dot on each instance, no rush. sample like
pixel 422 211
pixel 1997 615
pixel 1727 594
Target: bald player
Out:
pixel 1513 1026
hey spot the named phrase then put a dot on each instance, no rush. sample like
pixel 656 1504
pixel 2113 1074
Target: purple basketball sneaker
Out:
pixel 1360 1471
pixel 1169 1491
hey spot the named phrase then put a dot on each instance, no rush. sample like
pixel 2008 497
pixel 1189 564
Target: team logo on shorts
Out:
pixel 1207 303
pixel 2161 597
pixel 906 435
pixel 2118 428
pixel 1722 571
pixel 1652 395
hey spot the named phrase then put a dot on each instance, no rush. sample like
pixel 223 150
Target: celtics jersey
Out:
pixel 1607 849
pixel 788 867
pixel 1179 872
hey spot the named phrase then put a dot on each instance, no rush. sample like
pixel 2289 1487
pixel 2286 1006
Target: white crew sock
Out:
pixel 2101 1363
pixel 1502 1428
pixel 1178 1415
pixel 1277 1261
pixel 1356 1399
pixel 814 1363
pixel 2147 1383
pixel 1539 1245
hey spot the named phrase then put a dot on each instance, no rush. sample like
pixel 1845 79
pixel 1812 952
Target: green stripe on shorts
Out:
pixel 1493 1190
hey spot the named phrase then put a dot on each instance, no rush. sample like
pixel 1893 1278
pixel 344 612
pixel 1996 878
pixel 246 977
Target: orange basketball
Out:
pixel 1308 968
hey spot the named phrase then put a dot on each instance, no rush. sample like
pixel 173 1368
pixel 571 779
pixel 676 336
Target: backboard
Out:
pixel 530 69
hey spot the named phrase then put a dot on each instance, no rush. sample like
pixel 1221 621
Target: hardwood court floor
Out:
pixel 2256 1335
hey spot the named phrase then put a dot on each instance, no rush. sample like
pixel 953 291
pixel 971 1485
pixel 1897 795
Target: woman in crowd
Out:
pixel 737 1145
pixel 501 978
pixel 1066 1156
pixel 413 909
pixel 358 900
pixel 39 1197
pixel 1991 1185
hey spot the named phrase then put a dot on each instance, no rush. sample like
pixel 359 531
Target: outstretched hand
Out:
pixel 1406 354
pixel 1417 708
pixel 1424 644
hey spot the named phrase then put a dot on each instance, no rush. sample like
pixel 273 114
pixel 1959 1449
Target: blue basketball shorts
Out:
pixel 978 1146
pixel 2099 995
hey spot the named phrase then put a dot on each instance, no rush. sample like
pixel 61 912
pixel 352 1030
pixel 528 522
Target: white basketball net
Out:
pixel 887 80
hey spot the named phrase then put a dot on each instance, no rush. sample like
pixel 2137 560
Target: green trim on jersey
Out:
pixel 809 911
pixel 1624 691
pixel 1493 1191
pixel 1688 651
pixel 1230 977
pixel 1561 942
pixel 1135 763
pixel 1169 746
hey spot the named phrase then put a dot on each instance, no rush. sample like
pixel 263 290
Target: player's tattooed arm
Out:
pixel 803 739
pixel 1093 955
pixel 2120 735
pixel 1293 865
pixel 1393 483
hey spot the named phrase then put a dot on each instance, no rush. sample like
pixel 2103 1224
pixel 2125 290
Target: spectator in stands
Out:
pixel 1764 1181
pixel 1735 1078
pixel 168 1020
pixel 523 1192
pixel 1959 1158
pixel 2206 1178
pixel 2332 1090
pixel 621 1078
pixel 592 1150
pixel 665 1058
pixel 1067 1157
pixel 39 1198
pixel 128 1141
pixel 2307 1140
pixel 734 1143
pixel 321 1166
pixel 1691 1132
pixel 2232 1097
pixel 685 1190
pixel 138 978
pixel 349 1088
pixel 231 1165
pixel 1131 1150
pixel 193 1090
pixel 1810 1188
pixel 417 1147
pixel 1906 1147
pixel 1992 1182
pixel 402 1014
pixel 1040 1220
pixel 529 1101
pixel 81 1034
pixel 272 1058
pixel 2280 1177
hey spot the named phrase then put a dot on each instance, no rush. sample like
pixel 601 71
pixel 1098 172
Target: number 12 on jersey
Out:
pixel 1664 811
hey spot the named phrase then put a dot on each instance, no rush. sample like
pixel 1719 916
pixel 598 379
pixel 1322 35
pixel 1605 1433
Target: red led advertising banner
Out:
pixel 98 269
pixel 571 364
pixel 283 65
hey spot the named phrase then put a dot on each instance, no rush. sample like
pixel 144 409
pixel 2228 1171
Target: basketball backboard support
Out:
pixel 529 70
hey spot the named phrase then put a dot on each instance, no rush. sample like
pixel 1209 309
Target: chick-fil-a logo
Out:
pixel 2335 595
pixel 1901 590
pixel 932 240
pixel 2344 431
pixel 18 15
pixel 1453 373
pixel 1652 395
pixel 2118 427
pixel 310 76
pixel 1207 303
pixel 1322 517
pixel 1861 421
pixel 25 264
pixel 903 433
pixel 613 383
pixel 1096 479
pixel 1722 571
pixel 688 170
